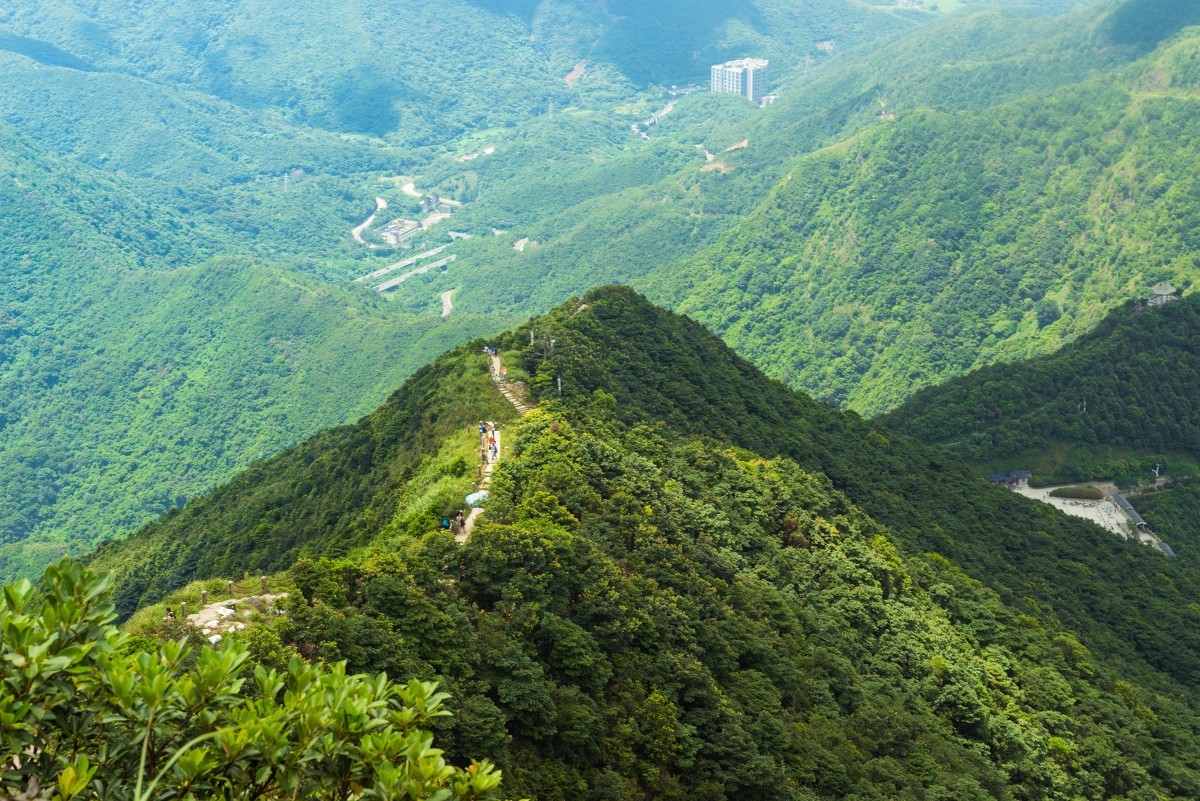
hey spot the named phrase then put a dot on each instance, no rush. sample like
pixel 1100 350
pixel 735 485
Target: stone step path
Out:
pixel 509 394
pixel 514 399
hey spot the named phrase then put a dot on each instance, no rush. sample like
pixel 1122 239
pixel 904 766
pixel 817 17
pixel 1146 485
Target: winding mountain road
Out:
pixel 380 205
pixel 395 282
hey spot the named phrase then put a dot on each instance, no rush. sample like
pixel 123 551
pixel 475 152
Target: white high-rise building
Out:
pixel 746 76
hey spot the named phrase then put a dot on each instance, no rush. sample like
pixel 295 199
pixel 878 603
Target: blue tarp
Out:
pixel 476 498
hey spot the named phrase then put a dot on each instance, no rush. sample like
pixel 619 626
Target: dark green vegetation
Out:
pixel 331 493
pixel 1172 514
pixel 88 713
pixel 693 582
pixel 1109 405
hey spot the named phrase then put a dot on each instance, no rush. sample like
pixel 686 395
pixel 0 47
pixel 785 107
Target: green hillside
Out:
pixel 215 325
pixel 592 216
pixel 600 210
pixel 128 384
pixel 1127 388
pixel 199 182
pixel 942 239
pixel 691 581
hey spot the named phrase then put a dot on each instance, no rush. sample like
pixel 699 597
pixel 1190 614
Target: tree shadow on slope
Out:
pixel 665 41
pixel 1149 22
pixel 43 52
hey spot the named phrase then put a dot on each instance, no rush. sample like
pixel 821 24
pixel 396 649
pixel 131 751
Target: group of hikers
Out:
pixel 456 525
pixel 487 439
pixel 502 375
pixel 489 448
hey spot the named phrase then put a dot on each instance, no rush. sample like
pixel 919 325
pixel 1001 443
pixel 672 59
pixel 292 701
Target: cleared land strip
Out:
pixel 395 282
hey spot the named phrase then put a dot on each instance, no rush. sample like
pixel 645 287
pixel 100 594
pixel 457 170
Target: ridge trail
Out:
pixel 495 368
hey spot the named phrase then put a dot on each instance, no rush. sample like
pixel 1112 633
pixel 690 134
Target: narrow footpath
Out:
pixel 497 370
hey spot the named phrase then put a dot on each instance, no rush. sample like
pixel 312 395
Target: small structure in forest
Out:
pixel 1012 479
pixel 1162 295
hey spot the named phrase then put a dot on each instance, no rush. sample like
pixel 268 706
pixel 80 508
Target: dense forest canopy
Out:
pixel 1128 385
pixel 89 712
pixel 691 581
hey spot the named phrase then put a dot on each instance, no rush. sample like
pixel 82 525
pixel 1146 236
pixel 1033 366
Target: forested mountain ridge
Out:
pixel 1130 384
pixel 232 154
pixel 938 241
pixel 596 202
pixel 682 586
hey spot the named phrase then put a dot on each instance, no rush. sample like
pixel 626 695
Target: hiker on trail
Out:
pixel 504 374
pixel 445 522
pixel 460 520
pixel 482 428
pixel 495 450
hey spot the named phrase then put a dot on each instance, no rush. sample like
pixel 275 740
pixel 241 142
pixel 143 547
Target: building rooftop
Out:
pixel 1011 475
pixel 746 63
pixel 1129 510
